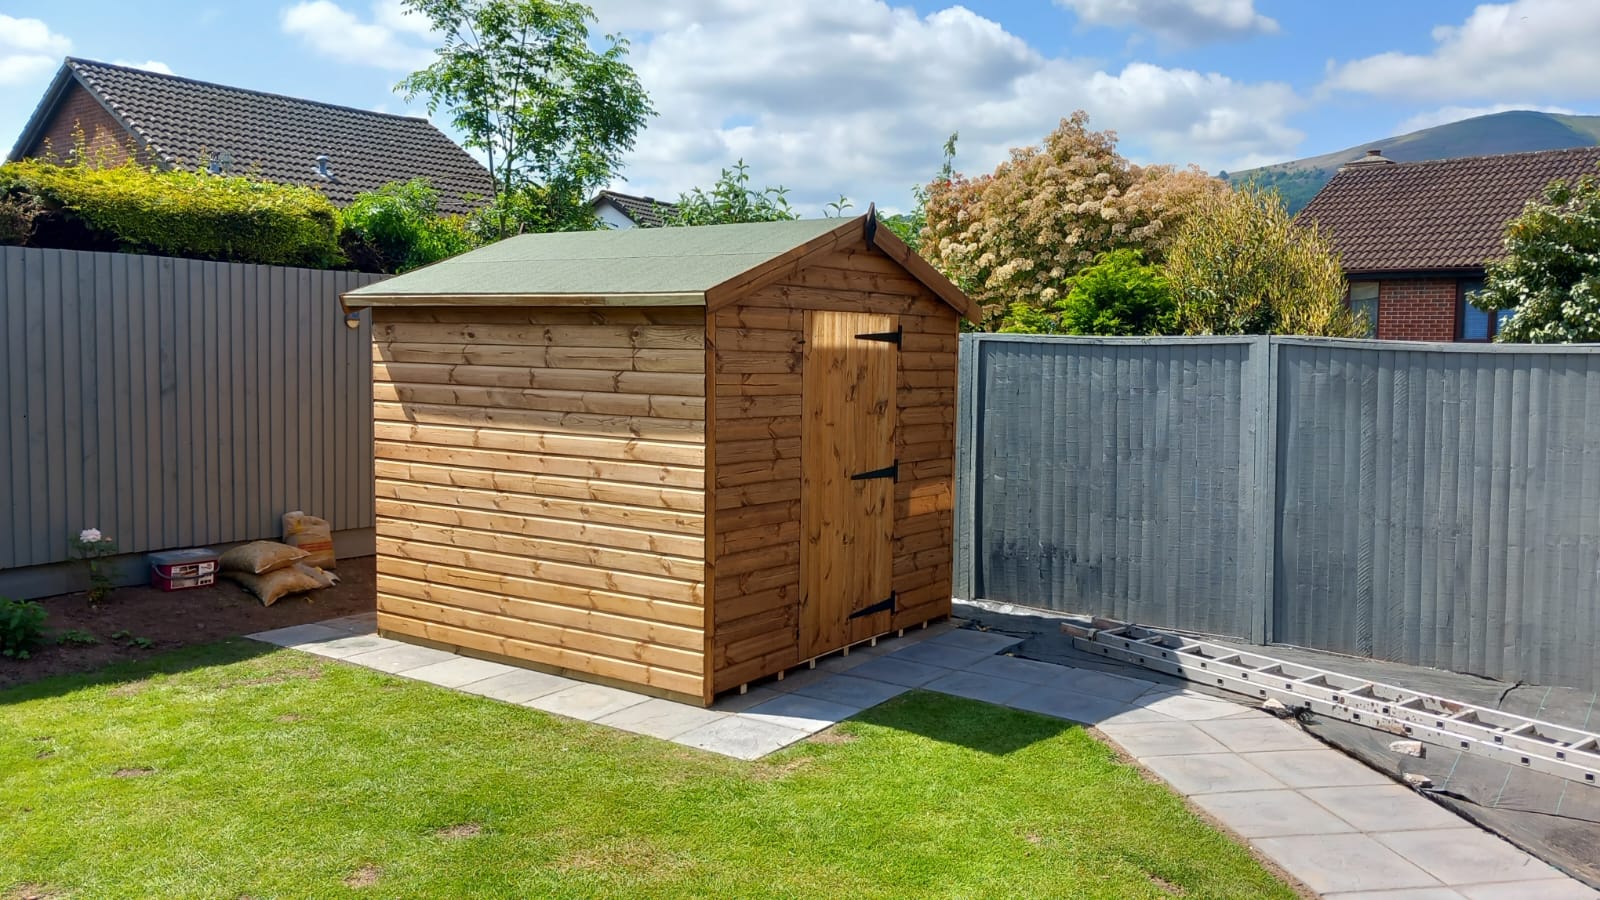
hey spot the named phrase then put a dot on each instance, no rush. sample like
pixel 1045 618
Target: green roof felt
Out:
pixel 624 261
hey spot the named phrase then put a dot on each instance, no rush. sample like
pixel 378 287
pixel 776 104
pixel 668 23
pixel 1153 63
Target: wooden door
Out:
pixel 847 478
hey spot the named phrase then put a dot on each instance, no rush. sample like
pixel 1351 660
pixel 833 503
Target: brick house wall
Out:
pixel 78 109
pixel 1420 309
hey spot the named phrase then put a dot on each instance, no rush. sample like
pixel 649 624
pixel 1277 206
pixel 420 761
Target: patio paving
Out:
pixel 1344 830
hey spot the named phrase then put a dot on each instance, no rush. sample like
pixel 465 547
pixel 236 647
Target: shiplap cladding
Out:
pixel 1436 505
pixel 1441 507
pixel 174 403
pixel 1114 478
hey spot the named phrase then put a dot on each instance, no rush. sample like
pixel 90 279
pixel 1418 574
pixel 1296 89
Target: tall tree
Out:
pixel 1017 235
pixel 1551 274
pixel 1240 265
pixel 521 82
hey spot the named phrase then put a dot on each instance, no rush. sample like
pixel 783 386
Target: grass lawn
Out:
pixel 228 771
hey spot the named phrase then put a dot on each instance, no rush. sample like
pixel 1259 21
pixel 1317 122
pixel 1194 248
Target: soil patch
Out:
pixel 366 876
pixel 32 892
pixel 133 772
pixel 179 619
pixel 457 832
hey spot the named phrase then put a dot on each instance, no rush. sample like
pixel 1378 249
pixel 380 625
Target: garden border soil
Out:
pixel 178 619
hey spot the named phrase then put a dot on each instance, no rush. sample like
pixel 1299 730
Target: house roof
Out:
pixel 277 138
pixel 1442 215
pixel 685 266
pixel 646 212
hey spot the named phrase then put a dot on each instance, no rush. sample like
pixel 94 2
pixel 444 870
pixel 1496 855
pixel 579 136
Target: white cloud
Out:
pixel 858 96
pixel 29 49
pixel 1529 48
pixel 1181 21
pixel 329 29
pixel 1448 114
pixel 149 65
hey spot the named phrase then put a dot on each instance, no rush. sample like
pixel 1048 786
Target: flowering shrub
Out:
pixel 91 546
pixel 1015 237
pixel 1551 273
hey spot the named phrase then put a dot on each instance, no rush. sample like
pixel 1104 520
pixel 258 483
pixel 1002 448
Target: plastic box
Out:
pixel 178 570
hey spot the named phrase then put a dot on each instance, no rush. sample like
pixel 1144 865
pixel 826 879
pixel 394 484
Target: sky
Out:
pixel 856 97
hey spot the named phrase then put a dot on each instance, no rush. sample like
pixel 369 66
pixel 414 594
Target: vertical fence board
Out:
pixel 173 402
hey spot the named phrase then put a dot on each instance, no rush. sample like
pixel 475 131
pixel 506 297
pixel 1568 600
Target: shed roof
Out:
pixel 686 266
pixel 1448 214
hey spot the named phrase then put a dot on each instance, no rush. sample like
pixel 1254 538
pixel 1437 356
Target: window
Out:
pixel 1476 324
pixel 1364 303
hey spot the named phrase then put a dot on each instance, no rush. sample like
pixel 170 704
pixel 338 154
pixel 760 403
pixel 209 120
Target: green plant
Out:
pixel 1551 274
pixel 1118 295
pixel 1240 264
pixel 143 643
pixel 21 626
pixel 75 637
pixel 181 213
pixel 401 223
pixel 524 82
pixel 732 199
pixel 91 546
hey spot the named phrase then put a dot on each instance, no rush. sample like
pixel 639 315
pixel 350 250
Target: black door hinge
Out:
pixel 887 337
pixel 890 471
pixel 881 606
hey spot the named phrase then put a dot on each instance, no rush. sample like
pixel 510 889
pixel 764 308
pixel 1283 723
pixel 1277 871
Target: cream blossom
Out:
pixel 90 536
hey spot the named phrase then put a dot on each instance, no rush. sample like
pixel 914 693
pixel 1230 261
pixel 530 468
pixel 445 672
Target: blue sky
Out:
pixel 856 96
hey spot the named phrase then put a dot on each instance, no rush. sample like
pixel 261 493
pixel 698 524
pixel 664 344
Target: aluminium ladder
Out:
pixel 1542 746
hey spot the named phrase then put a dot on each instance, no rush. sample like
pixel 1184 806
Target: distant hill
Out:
pixel 1507 132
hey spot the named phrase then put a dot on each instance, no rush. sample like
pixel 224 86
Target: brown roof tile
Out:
pixel 646 212
pixel 1440 215
pixel 279 138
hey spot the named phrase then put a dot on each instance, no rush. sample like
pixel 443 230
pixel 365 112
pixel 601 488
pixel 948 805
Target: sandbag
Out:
pixel 257 557
pixel 273 586
pixel 328 579
pixel 311 534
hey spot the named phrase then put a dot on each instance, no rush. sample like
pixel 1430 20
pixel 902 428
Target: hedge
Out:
pixel 135 209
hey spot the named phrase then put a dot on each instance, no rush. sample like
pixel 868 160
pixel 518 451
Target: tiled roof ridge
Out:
pixel 1449 160
pixel 76 61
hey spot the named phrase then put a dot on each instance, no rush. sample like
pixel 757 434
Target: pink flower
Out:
pixel 90 536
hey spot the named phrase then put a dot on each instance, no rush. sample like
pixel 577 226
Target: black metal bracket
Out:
pixel 872 222
pixel 890 471
pixel 881 606
pixel 887 337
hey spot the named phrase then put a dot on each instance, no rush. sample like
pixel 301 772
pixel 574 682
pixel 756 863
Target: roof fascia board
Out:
pixel 44 111
pixel 353 301
pixel 1412 274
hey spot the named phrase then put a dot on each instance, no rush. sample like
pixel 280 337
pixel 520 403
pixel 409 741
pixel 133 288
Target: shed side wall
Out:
pixel 758 408
pixel 541 486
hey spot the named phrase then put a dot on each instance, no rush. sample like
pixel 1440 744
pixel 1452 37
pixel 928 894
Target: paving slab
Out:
pixel 459 671
pixel 1281 813
pixel 972 639
pixel 1161 738
pixel 1188 706
pixel 294 635
pixel 1465 856
pixel 894 670
pixel 741 738
pixel 850 690
pixel 795 679
pixel 359 623
pixel 802 713
pixel 348 645
pixel 1027 671
pixel 518 685
pixel 1330 863
pixel 1383 807
pixel 660 718
pixel 977 686
pixel 1210 773
pixel 1102 684
pixel 933 654
pixel 399 658
pixel 1315 768
pixel 1428 893
pixel 1247 735
pixel 1556 889
pixel 736 702
pixel 587 702
pixel 1072 706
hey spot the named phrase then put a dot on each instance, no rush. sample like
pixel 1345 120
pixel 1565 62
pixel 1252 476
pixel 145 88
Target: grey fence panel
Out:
pixel 175 402
pixel 1437 505
pixel 1116 478
pixel 1441 507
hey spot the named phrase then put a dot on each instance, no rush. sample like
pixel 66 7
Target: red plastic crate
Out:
pixel 178 570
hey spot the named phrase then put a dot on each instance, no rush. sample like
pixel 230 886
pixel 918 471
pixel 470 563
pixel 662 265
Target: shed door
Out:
pixel 848 476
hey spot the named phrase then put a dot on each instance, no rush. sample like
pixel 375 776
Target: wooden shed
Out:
pixel 677 459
